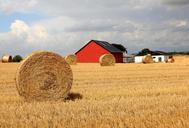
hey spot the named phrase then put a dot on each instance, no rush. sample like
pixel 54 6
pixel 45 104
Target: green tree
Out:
pixel 145 51
pixel 17 58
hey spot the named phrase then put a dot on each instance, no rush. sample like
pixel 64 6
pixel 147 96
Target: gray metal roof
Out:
pixel 120 47
pixel 153 53
pixel 107 46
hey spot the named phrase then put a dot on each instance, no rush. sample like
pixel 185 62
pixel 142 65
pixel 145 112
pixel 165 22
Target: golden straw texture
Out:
pixel 44 76
pixel 107 60
pixel 147 59
pixel 171 60
pixel 71 59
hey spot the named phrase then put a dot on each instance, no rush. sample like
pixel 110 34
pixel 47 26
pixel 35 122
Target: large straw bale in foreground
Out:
pixel 44 76
pixel 6 58
pixel 71 59
pixel 107 60
pixel 147 59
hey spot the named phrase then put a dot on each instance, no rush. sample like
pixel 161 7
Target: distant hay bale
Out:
pixel 44 76
pixel 107 60
pixel 6 58
pixel 71 59
pixel 171 60
pixel 147 59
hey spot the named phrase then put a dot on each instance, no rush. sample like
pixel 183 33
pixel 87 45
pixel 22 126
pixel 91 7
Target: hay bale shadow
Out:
pixel 74 96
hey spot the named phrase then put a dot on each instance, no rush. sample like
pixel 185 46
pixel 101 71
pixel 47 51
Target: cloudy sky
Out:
pixel 64 26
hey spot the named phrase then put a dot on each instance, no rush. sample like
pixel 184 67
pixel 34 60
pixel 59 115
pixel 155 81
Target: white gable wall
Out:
pixel 156 58
pixel 160 58
pixel 138 59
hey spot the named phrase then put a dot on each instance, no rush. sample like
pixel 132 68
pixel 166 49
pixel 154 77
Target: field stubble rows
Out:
pixel 126 95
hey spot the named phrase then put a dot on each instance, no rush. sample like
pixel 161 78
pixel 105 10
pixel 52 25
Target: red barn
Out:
pixel 92 51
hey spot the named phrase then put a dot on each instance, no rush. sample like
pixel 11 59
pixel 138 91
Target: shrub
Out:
pixel 17 58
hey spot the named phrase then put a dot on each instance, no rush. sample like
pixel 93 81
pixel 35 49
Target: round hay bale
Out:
pixel 44 76
pixel 6 58
pixel 71 59
pixel 147 59
pixel 171 60
pixel 107 60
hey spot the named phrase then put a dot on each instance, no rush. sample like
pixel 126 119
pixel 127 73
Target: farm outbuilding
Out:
pixel 158 56
pixel 91 52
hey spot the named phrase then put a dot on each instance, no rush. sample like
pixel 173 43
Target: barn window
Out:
pixel 159 59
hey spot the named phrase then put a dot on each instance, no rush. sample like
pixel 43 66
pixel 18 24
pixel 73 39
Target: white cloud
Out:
pixel 28 34
pixel 178 24
pixel 19 28
pixel 23 38
pixel 69 24
pixel 54 35
pixel 9 6
pixel 182 24
pixel 176 2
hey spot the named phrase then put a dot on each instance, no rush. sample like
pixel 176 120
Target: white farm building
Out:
pixel 158 56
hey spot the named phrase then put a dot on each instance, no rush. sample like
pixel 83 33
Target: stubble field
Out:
pixel 125 95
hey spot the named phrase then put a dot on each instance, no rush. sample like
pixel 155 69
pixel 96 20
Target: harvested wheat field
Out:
pixel 125 95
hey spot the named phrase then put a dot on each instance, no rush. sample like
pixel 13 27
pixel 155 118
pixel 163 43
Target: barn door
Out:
pixel 159 59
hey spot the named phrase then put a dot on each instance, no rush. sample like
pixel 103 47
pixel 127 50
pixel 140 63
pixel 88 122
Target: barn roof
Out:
pixel 120 47
pixel 154 53
pixel 161 52
pixel 105 45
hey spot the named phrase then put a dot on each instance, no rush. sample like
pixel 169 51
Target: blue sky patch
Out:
pixel 7 20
